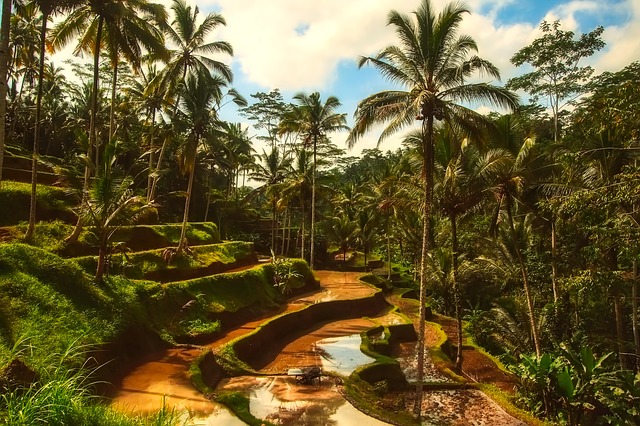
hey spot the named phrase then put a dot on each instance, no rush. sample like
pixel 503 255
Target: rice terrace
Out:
pixel 238 212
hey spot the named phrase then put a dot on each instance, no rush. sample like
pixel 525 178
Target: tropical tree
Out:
pixel 270 170
pixel 93 24
pixel 433 64
pixel 5 56
pixel 557 75
pixel 190 57
pixel 297 187
pixel 458 190
pixel 110 205
pixel 314 120
pixel 48 8
pixel 200 98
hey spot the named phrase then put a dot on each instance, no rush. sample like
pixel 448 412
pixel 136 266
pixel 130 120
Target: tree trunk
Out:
pixel 273 225
pixel 525 282
pixel 388 252
pixel 164 143
pixel 209 184
pixel 302 242
pixel 4 81
pixel 151 149
pixel 617 306
pixel 554 262
pixel 427 137
pixel 634 314
pixel 313 207
pixel 187 202
pixel 456 288
pixel 92 132
pixel 112 112
pixel 102 262
pixel 36 131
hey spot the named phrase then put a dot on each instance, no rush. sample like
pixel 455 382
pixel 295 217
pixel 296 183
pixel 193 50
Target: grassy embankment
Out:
pixel 50 308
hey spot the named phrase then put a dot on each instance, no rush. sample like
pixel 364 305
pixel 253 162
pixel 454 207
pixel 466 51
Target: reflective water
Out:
pixel 282 401
pixel 342 355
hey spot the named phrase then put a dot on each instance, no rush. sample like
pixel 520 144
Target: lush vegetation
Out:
pixel 523 222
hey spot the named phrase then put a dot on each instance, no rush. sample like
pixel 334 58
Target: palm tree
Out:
pixel 149 99
pixel 433 64
pixel 366 232
pixel 314 121
pixel 47 8
pixel 297 186
pixel 342 230
pixel 93 24
pixel 507 177
pixel 4 68
pixel 200 97
pixel 458 190
pixel 190 57
pixel 110 205
pixel 270 170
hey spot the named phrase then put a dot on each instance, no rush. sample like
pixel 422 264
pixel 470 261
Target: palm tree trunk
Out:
pixel 151 149
pixel 187 202
pixel 313 207
pixel 102 262
pixel 388 250
pixel 634 314
pixel 4 67
pixel 554 262
pixel 427 135
pixel 36 132
pixel 154 185
pixel 92 131
pixel 525 282
pixel 273 225
pixel 112 112
pixel 284 230
pixel 164 142
pixel 209 184
pixel 456 288
pixel 617 306
pixel 302 242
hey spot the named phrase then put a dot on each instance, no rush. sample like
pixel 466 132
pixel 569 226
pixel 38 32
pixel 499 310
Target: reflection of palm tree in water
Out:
pixel 297 410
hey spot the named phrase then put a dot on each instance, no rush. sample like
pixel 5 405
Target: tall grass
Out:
pixel 63 396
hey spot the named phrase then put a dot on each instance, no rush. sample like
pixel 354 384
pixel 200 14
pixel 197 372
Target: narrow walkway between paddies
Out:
pixel 163 377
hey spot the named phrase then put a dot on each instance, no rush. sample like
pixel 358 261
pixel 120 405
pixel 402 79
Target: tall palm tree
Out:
pixel 4 68
pixel 314 120
pixel 190 57
pixel 270 170
pixel 508 177
pixel 93 24
pixel 458 190
pixel 298 187
pixel 433 64
pixel 47 8
pixel 149 99
pixel 200 98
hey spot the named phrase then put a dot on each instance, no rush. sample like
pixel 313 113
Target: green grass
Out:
pixel 14 196
pixel 63 396
pixel 50 236
pixel 137 264
pixel 49 304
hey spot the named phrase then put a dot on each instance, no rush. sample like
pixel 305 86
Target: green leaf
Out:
pixel 565 384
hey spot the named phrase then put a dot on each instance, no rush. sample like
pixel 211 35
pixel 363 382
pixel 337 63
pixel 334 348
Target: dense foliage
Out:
pixel 524 223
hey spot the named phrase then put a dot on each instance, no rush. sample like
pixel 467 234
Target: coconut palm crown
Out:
pixel 433 64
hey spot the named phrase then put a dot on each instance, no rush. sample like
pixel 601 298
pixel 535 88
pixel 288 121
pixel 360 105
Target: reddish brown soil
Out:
pixel 476 365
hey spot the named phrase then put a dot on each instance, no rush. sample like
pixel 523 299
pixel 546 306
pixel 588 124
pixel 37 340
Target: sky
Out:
pixel 306 46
